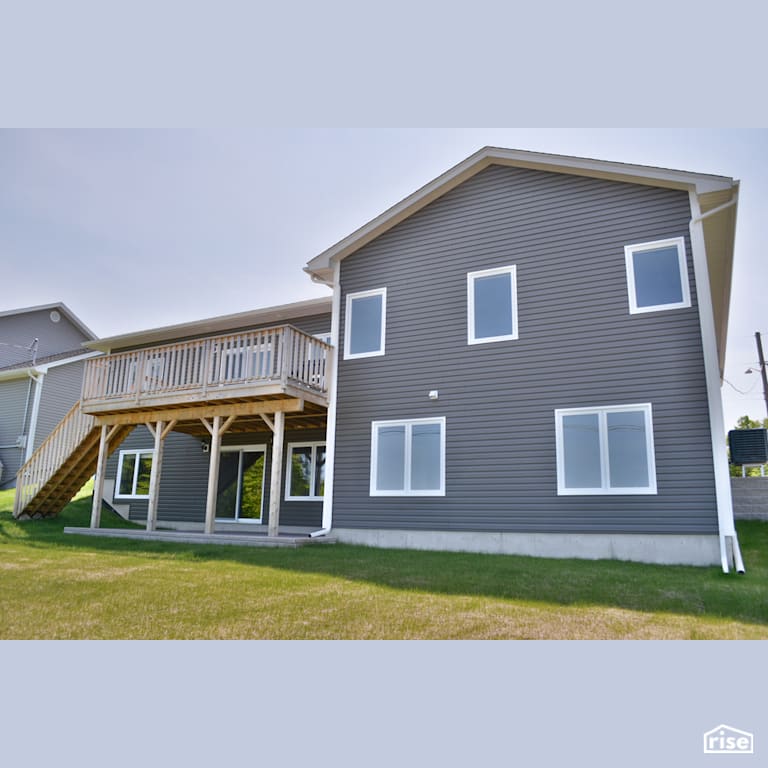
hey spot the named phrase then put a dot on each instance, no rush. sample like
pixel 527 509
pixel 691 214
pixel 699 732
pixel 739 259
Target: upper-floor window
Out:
pixel 492 305
pixel 605 450
pixel 657 276
pixel 365 323
pixel 134 470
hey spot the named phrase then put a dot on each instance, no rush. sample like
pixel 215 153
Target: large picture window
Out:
pixel 134 470
pixel 492 305
pixel 408 458
pixel 305 478
pixel 657 276
pixel 365 323
pixel 606 450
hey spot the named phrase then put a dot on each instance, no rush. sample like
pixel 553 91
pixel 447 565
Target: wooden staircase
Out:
pixel 59 468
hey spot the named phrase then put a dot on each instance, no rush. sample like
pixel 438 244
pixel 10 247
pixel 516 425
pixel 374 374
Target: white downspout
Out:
pixel 330 432
pixel 726 526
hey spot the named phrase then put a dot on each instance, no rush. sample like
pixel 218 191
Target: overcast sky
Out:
pixel 135 229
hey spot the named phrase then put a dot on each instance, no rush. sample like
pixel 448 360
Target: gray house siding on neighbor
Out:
pixel 184 478
pixel 578 346
pixel 16 397
pixel 61 390
pixel 53 337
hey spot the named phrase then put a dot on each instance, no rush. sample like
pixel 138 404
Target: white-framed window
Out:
pixel 305 475
pixel 657 276
pixel 408 457
pixel 605 450
pixel 492 305
pixel 366 319
pixel 134 470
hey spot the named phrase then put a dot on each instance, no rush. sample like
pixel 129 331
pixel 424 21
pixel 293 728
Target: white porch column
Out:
pixel 98 482
pixel 213 473
pixel 275 485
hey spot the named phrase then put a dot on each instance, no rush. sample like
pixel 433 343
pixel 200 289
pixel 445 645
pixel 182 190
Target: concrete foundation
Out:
pixel 667 549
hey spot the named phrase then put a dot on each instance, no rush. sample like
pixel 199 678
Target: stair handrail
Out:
pixel 51 455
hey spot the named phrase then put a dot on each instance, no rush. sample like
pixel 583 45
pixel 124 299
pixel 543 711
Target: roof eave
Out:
pixel 212 325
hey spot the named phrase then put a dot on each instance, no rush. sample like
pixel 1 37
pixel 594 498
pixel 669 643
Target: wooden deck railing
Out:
pixel 51 455
pixel 272 355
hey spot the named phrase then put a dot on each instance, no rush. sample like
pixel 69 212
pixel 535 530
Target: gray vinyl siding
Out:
pixel 61 390
pixel 183 481
pixel 578 347
pixel 22 329
pixel 14 395
pixel 184 478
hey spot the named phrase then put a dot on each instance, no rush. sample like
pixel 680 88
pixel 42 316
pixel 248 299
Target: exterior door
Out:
pixel 240 496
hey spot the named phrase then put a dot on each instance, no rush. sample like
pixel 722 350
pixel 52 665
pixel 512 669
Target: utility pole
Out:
pixel 763 372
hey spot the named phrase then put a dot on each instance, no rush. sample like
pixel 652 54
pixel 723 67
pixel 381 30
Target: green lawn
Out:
pixel 54 585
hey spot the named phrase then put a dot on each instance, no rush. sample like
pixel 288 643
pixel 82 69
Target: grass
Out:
pixel 63 586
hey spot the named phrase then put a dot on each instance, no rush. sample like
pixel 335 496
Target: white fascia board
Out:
pixel 66 361
pixel 17 373
pixel 34 370
pixel 321 265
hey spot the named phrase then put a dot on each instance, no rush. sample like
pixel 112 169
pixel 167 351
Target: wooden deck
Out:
pixel 274 378
pixel 236 369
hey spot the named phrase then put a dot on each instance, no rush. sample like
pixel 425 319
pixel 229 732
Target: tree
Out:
pixel 746 423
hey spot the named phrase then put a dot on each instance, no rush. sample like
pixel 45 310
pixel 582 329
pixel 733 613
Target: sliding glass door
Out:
pixel 240 496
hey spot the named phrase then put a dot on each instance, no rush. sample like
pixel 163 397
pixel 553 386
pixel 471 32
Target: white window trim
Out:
pixel 347 324
pixel 629 253
pixel 407 423
pixel 471 277
pixel 314 445
pixel 137 452
pixel 605 489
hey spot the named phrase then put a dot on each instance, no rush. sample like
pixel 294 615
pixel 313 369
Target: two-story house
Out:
pixel 41 373
pixel 525 357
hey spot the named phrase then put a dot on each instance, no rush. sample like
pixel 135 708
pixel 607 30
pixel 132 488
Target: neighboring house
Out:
pixel 41 373
pixel 525 357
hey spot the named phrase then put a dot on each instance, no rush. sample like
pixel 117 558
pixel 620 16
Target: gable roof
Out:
pixel 703 185
pixel 60 307
pixel 213 325
pixel 711 192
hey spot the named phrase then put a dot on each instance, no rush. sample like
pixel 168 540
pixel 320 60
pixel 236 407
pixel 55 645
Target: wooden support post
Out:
pixel 98 482
pixel 275 485
pixel 159 434
pixel 213 472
